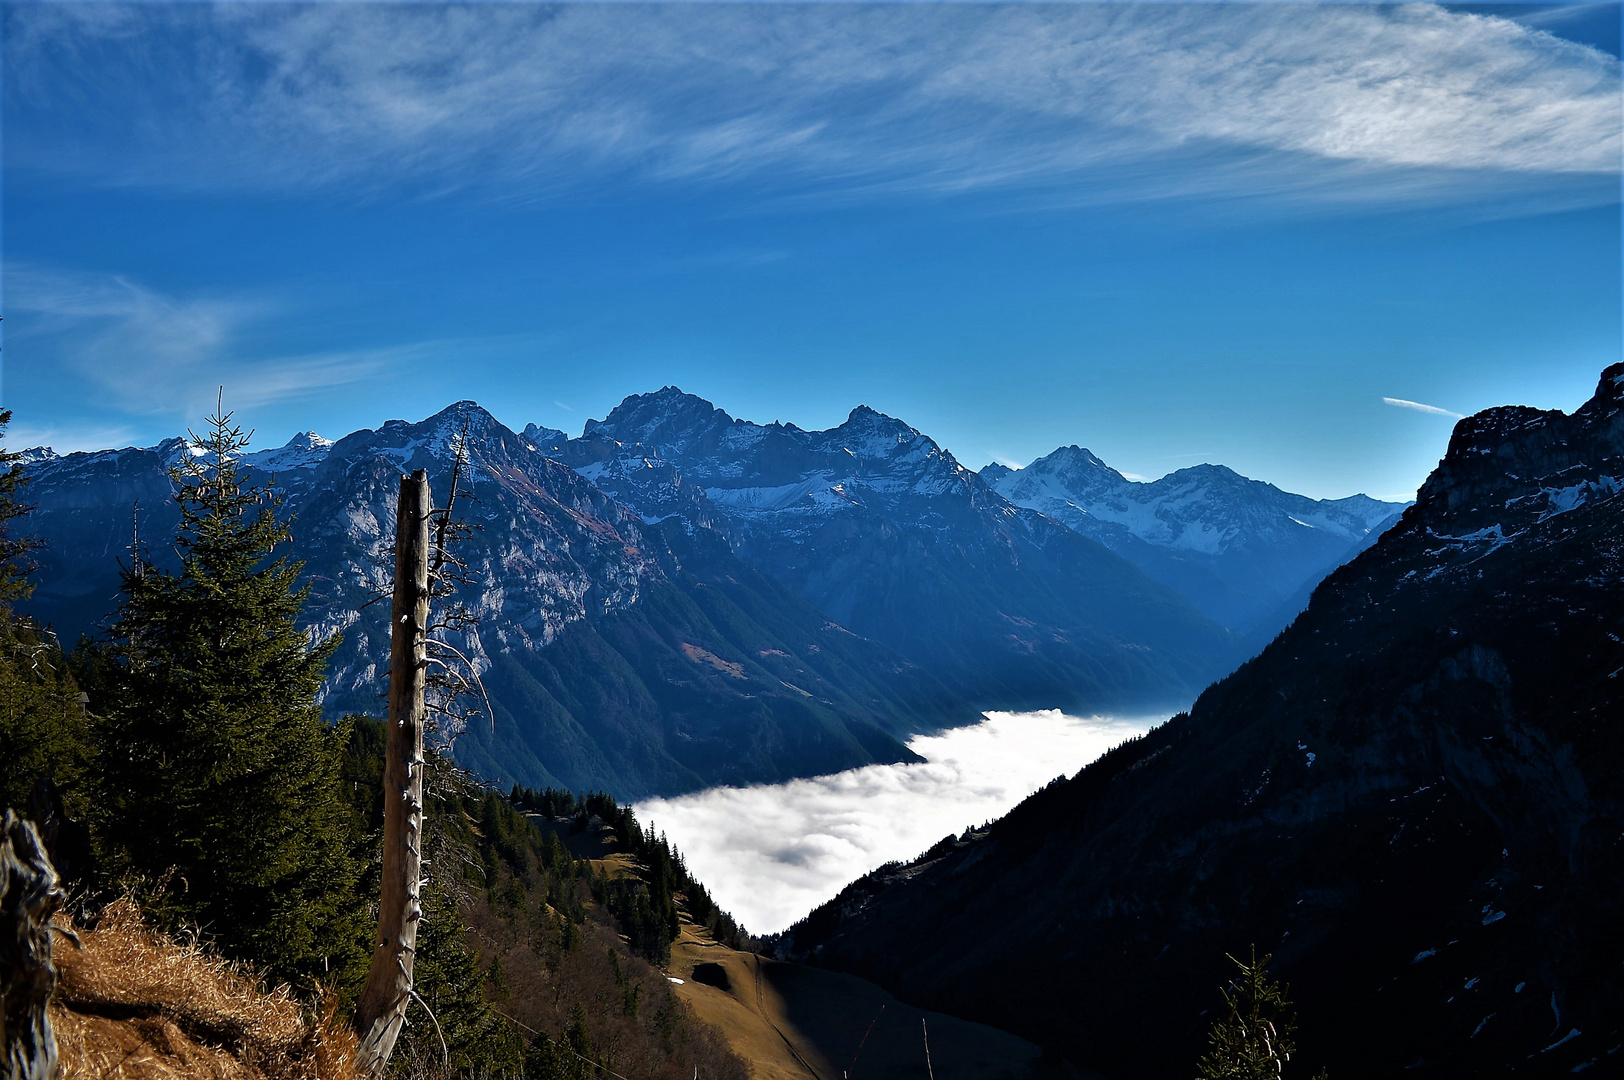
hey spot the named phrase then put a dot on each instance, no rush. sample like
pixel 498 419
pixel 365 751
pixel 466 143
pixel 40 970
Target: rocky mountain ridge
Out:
pixel 885 532
pixel 871 523
pixel 617 654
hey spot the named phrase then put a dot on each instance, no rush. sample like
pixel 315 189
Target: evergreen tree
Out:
pixel 1253 1040
pixel 15 561
pixel 219 780
pixel 41 720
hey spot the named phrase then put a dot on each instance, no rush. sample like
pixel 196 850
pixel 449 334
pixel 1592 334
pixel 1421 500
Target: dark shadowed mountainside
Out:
pixel 1414 798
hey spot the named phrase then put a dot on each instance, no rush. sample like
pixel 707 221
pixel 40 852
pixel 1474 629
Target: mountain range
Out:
pixel 1413 799
pixel 679 598
pixel 886 533
pixel 616 653
pixel 1242 551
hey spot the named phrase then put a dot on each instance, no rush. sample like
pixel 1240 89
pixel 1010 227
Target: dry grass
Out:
pixel 132 1004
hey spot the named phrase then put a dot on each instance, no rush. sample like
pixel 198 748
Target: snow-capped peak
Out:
pixel 305 450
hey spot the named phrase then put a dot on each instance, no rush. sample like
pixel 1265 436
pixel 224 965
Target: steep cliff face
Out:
pixel 1414 798
pixel 884 532
pixel 616 653
pixel 1239 549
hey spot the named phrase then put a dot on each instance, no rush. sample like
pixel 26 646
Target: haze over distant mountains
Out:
pixel 679 598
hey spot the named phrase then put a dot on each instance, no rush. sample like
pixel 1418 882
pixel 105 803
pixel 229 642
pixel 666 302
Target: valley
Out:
pixel 1420 759
pixel 812 541
pixel 771 853
pixel 792 1022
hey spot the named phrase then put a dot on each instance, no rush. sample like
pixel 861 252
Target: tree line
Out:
pixel 665 875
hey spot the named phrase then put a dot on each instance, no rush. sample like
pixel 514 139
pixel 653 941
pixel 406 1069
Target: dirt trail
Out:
pixel 790 1022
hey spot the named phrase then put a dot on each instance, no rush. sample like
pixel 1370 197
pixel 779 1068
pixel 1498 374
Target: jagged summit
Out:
pixel 1509 468
pixel 306 440
pixel 1078 455
pixel 668 402
pixel 544 437
pixel 1207 470
pixel 304 450
pixel 667 417
pixel 455 416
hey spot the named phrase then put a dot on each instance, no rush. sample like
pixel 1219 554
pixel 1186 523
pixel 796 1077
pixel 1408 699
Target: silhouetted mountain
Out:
pixel 1240 550
pixel 617 654
pixel 886 533
pixel 1414 798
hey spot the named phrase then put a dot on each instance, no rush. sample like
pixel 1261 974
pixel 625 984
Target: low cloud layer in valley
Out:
pixel 769 854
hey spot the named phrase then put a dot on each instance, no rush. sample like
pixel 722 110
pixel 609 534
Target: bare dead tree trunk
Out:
pixel 29 896
pixel 382 1008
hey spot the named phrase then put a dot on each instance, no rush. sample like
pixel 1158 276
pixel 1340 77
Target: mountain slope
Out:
pixel 1414 798
pixel 884 532
pixel 1237 548
pixel 616 654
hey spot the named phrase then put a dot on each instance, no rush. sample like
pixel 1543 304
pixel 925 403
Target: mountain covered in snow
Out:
pixel 1413 799
pixel 617 653
pixel 1243 551
pixel 885 532
pixel 945 595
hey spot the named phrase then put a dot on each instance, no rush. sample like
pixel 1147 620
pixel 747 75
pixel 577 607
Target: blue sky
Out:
pixel 1169 233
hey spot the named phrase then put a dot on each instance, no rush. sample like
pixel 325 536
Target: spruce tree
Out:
pixel 1255 1037
pixel 220 787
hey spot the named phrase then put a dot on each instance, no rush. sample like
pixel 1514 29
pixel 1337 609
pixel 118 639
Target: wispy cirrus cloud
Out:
pixel 1329 103
pixel 145 352
pixel 1405 403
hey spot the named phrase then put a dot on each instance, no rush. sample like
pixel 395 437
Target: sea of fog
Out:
pixel 771 853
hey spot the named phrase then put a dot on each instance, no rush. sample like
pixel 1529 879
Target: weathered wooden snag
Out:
pixel 381 1009
pixel 29 895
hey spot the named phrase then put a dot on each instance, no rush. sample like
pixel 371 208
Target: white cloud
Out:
pixel 1106 101
pixel 1404 403
pixel 770 854
pixel 142 351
